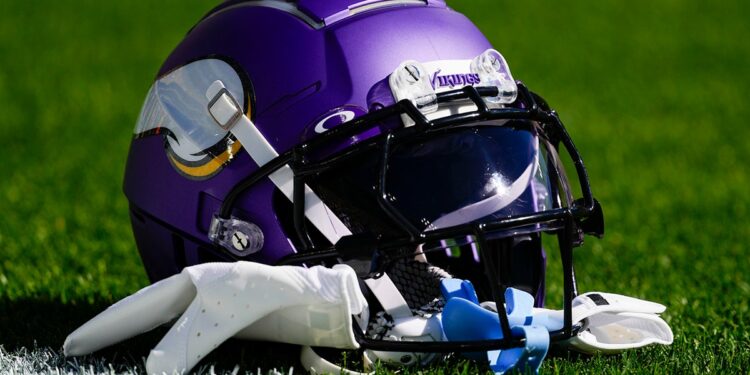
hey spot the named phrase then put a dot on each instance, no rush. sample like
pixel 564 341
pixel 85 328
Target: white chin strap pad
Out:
pixel 614 323
pixel 306 306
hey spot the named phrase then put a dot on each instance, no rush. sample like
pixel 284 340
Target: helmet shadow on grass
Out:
pixel 29 324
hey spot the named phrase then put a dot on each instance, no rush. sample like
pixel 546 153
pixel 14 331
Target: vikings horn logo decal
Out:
pixel 213 161
pixel 177 108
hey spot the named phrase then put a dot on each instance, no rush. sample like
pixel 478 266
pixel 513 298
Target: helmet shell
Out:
pixel 297 64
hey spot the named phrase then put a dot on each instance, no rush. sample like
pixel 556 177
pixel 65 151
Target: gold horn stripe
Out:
pixel 211 167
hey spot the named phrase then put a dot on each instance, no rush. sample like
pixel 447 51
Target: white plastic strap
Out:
pixel 316 364
pixel 390 298
pixel 224 109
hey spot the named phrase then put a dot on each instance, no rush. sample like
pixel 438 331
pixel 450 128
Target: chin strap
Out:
pixel 227 114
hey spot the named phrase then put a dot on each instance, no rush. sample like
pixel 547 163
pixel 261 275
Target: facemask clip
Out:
pixel 493 71
pixel 410 81
pixel 239 237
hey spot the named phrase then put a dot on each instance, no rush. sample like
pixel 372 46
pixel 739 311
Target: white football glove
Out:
pixel 613 323
pixel 296 305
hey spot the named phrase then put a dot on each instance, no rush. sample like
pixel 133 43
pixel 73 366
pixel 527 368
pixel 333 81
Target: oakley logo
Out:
pixel 334 119
pixel 452 80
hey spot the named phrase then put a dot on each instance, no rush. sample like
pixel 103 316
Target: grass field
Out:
pixel 654 93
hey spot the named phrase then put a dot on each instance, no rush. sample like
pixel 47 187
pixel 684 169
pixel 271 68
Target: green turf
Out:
pixel 652 92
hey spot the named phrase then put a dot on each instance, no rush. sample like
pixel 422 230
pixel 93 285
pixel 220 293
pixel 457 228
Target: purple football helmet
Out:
pixel 375 133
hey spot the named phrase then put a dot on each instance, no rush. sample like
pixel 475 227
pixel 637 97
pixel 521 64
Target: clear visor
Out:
pixel 481 173
pixel 478 173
